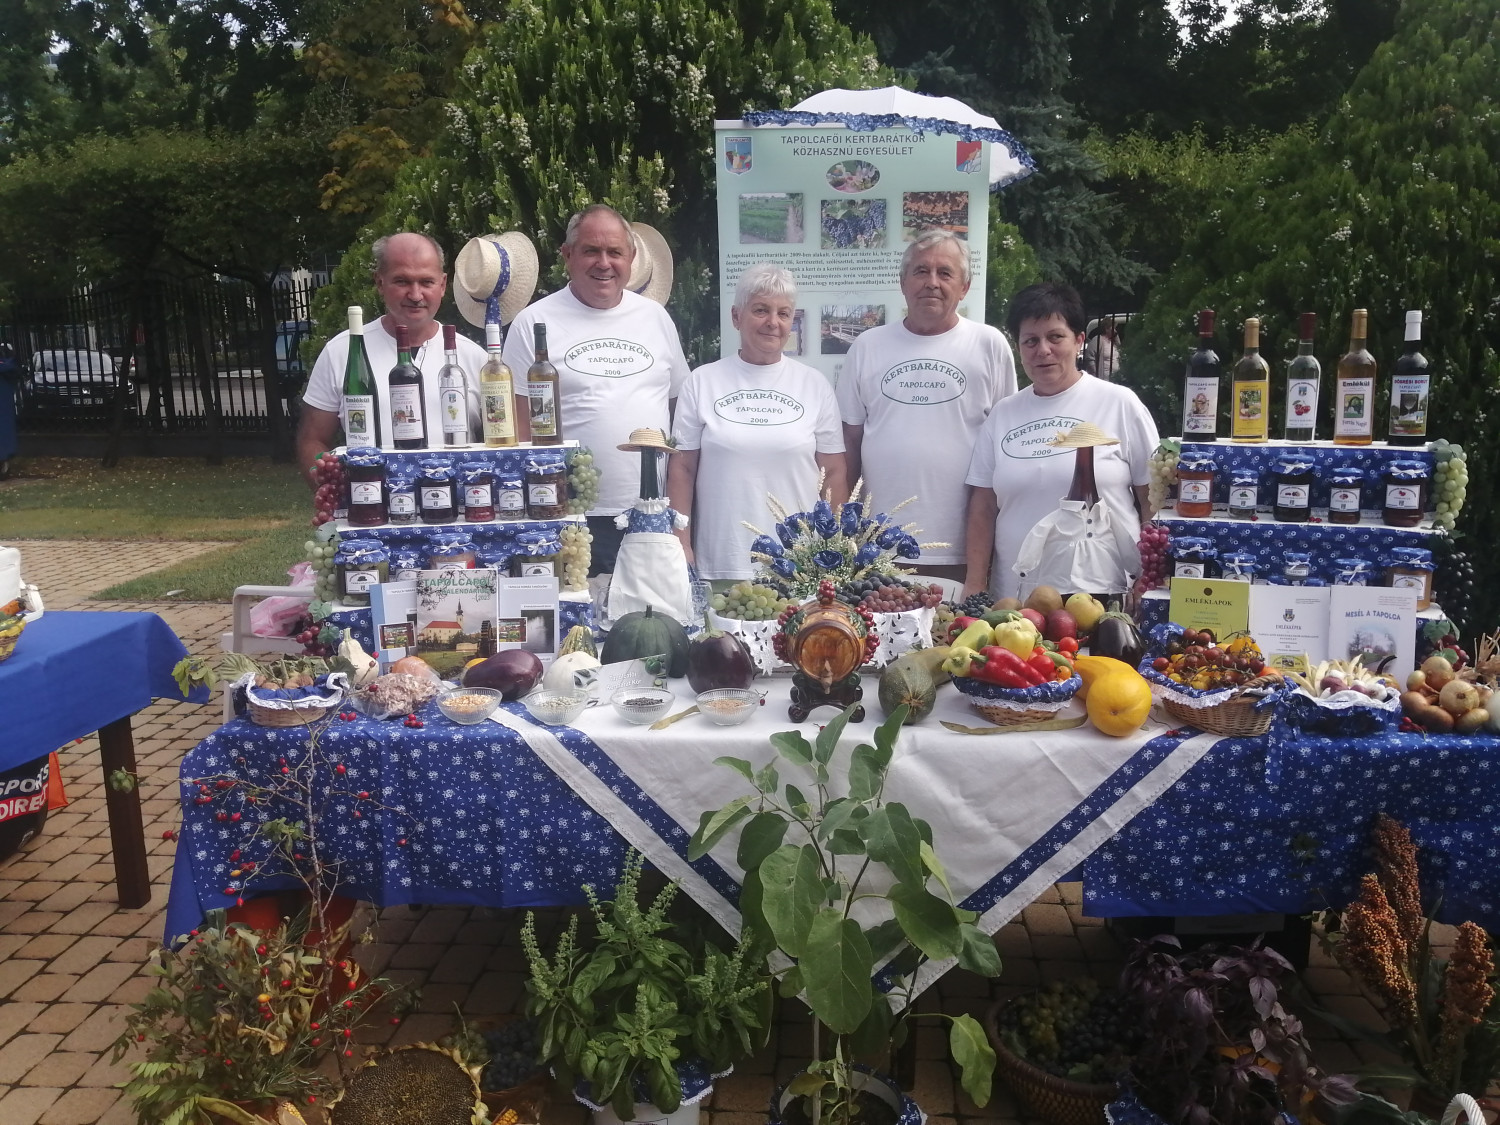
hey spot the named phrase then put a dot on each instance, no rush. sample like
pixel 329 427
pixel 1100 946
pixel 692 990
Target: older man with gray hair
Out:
pixel 912 396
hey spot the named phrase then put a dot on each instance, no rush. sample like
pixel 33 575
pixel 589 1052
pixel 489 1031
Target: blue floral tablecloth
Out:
pixel 1277 825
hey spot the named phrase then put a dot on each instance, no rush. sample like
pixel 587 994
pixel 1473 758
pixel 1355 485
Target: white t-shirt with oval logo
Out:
pixel 1030 477
pixel 616 368
pixel 757 428
pixel 921 401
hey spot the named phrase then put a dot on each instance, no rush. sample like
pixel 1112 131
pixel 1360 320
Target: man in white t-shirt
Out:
pixel 913 396
pixel 618 356
pixel 410 280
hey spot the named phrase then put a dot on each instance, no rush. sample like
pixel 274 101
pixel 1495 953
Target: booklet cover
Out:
pixel 1290 624
pixel 1374 623
pixel 526 616
pixel 1220 605
pixel 457 615
pixel 393 615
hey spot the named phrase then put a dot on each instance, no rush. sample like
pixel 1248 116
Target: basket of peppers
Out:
pixel 1010 675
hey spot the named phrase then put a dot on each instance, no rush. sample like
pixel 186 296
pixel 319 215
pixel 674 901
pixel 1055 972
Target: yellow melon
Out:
pixel 1119 702
pixel 1090 668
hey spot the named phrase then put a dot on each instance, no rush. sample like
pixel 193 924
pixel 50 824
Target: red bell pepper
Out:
pixel 1041 663
pixel 1003 667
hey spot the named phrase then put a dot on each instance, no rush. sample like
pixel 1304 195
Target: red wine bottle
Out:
pixel 408 426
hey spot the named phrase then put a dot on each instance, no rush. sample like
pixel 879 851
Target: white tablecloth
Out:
pixel 1010 813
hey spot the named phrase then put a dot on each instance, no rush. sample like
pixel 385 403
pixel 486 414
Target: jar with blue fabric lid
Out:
pixel 536 554
pixel 510 494
pixel 1292 480
pixel 1351 572
pixel 1244 494
pixel 437 490
pixel 1403 492
pixel 1238 566
pixel 1194 557
pixel 450 550
pixel 495 555
pixel 364 466
pixel 360 564
pixel 1196 472
pixel 401 496
pixel 1410 568
pixel 1345 491
pixel 406 562
pixel 1297 568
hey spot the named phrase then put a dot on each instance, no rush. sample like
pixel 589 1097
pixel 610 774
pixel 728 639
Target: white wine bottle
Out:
pixel 359 410
pixel 496 394
pixel 1354 388
pixel 1251 390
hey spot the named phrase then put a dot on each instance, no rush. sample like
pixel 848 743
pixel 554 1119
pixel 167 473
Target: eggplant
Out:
pixel 1116 635
pixel 717 659
pixel 513 673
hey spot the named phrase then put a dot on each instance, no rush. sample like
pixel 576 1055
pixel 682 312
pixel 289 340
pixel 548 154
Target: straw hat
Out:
pixel 651 270
pixel 493 277
pixel 647 438
pixel 1081 436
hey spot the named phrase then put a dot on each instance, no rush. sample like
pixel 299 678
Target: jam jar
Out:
pixel 1193 557
pixel 1403 488
pixel 360 564
pixel 450 550
pixel 1244 494
pixel 1351 572
pixel 1195 485
pixel 1411 567
pixel 478 481
pixel 1292 480
pixel 1296 568
pixel 536 554
pixel 437 491
pixel 1345 486
pixel 401 496
pixel 546 486
pixel 406 562
pixel 1238 566
pixel 510 495
pixel 495 556
pixel 365 469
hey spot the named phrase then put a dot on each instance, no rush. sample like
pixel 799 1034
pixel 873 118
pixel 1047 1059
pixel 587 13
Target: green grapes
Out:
pixel 583 481
pixel 746 601
pixel 1163 470
pixel 1450 483
pixel 577 548
pixel 320 552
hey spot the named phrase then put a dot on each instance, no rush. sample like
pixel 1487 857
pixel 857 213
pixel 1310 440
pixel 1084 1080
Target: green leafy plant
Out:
pixel 622 1009
pixel 810 858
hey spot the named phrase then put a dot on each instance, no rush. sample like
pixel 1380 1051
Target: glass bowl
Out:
pixel 728 706
pixel 556 708
pixel 642 705
pixel 469 705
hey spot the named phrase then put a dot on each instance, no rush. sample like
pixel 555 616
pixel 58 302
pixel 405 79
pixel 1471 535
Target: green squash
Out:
pixel 647 633
pixel 912 679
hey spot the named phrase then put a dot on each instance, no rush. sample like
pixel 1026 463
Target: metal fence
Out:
pixel 166 355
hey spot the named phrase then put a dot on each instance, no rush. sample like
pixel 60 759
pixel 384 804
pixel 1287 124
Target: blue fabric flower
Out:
pixel 822 520
pixel 908 549
pixel 867 554
pixel 784 567
pixel 891 536
pixel 765 545
pixel 829 559
pixel 786 533
pixel 851 515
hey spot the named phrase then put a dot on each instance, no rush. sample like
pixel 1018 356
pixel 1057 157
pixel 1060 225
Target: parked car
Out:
pixel 67 378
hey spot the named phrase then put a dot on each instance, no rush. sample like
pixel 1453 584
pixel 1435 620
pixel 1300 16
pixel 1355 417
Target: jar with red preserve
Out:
pixel 1403 489
pixel 1345 485
pixel 1195 485
pixel 365 469
pixel 1292 482
pixel 478 481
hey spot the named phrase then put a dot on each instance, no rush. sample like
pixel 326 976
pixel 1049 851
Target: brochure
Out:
pixel 1220 605
pixel 1290 624
pixel 457 614
pixel 393 617
pixel 526 616
pixel 1374 623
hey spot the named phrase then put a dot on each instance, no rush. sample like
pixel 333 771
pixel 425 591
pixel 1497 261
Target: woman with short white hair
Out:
pixel 753 424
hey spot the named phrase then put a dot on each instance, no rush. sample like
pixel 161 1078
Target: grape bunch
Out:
pixel 1154 562
pixel 747 601
pixel 325 579
pixel 1072 1029
pixel 975 604
pixel 577 548
pixel 942 622
pixel 1453 581
pixel 1450 482
pixel 1163 469
pixel 583 481
pixel 328 471
pixel 880 595
pixel 515 1055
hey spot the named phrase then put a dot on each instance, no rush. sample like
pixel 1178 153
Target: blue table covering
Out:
pixel 73 673
pixel 1283 825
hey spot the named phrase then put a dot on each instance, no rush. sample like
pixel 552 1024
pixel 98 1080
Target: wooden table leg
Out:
pixel 127 834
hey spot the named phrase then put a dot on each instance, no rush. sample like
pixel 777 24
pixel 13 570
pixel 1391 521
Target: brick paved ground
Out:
pixel 70 961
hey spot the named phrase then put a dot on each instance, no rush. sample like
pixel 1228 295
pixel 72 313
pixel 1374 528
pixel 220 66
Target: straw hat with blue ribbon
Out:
pixel 494 277
pixel 651 269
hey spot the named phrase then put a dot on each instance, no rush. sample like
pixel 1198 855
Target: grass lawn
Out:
pixel 258 509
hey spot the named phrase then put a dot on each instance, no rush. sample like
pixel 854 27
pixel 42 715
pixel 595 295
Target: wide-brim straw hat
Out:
pixel 651 269
pixel 1082 436
pixel 494 277
pixel 647 437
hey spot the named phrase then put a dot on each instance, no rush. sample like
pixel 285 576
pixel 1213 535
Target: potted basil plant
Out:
pixel 817 853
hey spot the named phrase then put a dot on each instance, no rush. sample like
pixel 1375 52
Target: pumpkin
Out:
pixel 572 670
pixel 912 679
pixel 1119 702
pixel 647 633
pixel 580 638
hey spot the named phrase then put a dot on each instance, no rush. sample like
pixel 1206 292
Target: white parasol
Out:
pixel 866 110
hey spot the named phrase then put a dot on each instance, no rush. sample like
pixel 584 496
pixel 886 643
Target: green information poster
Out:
pixel 1221 606
pixel 837 207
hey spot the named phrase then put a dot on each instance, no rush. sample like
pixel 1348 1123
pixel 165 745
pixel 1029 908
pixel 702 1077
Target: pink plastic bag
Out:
pixel 278 617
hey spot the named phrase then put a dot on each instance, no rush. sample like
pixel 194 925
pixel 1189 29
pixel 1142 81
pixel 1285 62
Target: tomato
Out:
pixel 1068 645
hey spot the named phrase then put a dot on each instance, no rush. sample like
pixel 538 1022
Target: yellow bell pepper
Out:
pixel 1018 636
pixel 974 636
pixel 960 660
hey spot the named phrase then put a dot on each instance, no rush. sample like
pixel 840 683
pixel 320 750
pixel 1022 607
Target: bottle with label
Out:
pixel 495 394
pixel 360 410
pixel 1410 386
pixel 453 394
pixel 1251 390
pixel 408 426
pixel 1304 376
pixel 1200 386
pixel 542 390
pixel 1354 388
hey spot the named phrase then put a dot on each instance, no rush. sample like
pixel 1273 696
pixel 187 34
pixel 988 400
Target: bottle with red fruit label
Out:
pixel 1304 375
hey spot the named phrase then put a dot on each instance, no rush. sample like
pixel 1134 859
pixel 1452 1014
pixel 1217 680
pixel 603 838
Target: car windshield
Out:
pixel 83 363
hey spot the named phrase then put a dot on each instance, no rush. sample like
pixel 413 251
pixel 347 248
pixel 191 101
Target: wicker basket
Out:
pixel 1060 1101
pixel 8 644
pixel 293 713
pixel 526 1100
pixel 1236 717
pixel 1013 707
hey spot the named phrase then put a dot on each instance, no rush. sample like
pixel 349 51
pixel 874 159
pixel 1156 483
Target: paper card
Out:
pixel 648 671
pixel 1374 623
pixel 526 616
pixel 393 618
pixel 457 612
pixel 1290 624
pixel 1220 605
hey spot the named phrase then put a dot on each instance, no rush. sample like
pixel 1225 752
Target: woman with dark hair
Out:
pixel 1018 477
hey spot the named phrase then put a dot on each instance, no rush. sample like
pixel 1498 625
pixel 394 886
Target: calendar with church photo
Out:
pixel 458 617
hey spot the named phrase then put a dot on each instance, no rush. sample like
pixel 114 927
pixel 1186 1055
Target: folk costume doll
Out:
pixel 651 569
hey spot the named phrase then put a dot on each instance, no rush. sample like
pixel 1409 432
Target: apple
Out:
pixel 1059 624
pixel 1035 617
